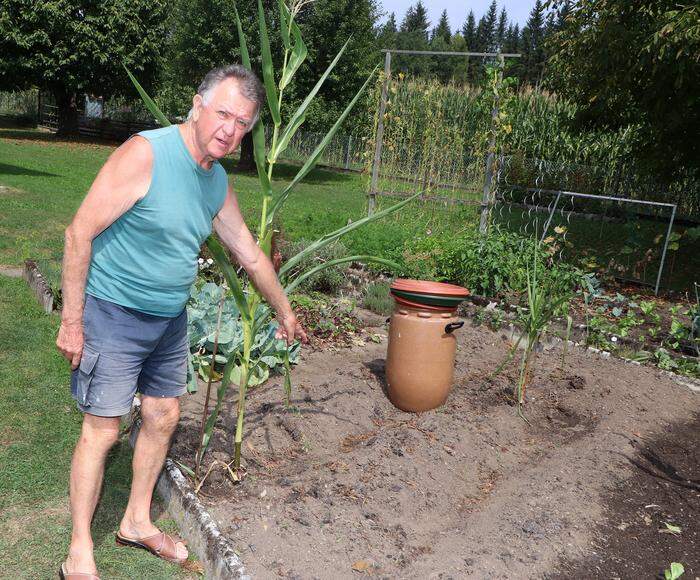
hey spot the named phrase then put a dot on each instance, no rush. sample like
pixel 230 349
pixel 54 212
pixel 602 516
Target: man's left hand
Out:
pixel 290 329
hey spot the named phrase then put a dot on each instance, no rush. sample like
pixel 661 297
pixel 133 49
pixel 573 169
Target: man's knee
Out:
pixel 101 431
pixel 160 415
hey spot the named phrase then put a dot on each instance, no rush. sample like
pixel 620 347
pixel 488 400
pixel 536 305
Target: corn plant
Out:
pixel 254 314
pixel 543 305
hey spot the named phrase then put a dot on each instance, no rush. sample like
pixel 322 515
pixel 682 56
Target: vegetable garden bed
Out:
pixel 342 483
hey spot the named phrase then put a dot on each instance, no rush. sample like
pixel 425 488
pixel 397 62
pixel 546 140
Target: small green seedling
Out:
pixel 675 571
pixel 671 529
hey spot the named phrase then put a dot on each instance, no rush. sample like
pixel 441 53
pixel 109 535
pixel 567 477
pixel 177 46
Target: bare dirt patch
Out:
pixel 345 484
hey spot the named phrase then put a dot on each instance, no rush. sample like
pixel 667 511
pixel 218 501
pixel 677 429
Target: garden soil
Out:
pixel 342 484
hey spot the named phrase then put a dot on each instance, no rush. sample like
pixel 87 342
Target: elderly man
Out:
pixel 130 259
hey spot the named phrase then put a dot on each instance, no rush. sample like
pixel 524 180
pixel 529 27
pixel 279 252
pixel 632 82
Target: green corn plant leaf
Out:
pixel 299 51
pixel 294 122
pixel 219 255
pixel 284 24
pixel 314 157
pixel 287 135
pixel 287 378
pixel 267 67
pixel 259 155
pixel 259 129
pixel 148 101
pixel 328 238
pixel 245 55
pixel 184 468
pixel 359 258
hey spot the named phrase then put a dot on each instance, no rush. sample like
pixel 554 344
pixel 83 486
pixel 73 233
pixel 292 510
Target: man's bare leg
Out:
pixel 159 419
pixel 87 469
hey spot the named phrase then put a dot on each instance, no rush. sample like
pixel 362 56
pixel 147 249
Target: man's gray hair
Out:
pixel 249 84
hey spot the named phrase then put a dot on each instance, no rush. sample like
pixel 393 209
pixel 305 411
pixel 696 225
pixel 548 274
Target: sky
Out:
pixel 457 10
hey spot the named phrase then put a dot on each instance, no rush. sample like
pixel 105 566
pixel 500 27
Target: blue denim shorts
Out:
pixel 125 352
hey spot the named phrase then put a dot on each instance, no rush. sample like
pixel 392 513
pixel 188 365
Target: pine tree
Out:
pixel 386 37
pixel 532 45
pixel 416 20
pixel 443 66
pixel 442 30
pixel 469 32
pixel 501 29
pixel 487 24
pixel 512 41
pixel 413 35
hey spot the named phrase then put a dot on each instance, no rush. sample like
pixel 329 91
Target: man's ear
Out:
pixel 197 104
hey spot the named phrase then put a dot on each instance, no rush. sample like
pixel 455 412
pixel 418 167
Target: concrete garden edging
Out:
pixel 38 285
pixel 201 531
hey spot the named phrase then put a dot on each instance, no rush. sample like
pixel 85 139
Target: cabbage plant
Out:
pixel 241 365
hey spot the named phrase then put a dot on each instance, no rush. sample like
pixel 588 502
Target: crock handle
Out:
pixel 452 326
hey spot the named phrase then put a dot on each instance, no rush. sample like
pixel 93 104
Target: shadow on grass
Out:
pixel 115 493
pixel 6 169
pixel 44 136
pixel 287 171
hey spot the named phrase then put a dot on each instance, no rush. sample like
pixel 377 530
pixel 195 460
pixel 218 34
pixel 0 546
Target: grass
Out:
pixel 378 299
pixel 39 425
pixel 49 177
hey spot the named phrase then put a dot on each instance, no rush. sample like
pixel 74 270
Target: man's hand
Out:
pixel 290 328
pixel 70 342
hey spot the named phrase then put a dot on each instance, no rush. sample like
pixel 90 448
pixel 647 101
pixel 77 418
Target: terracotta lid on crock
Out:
pixel 432 288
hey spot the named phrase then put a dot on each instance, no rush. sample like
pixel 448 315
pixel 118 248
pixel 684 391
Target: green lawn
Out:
pixel 39 425
pixel 49 178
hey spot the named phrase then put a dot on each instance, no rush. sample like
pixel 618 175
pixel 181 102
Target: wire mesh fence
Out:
pixel 632 239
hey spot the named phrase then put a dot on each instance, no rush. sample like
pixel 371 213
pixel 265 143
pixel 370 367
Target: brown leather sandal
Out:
pixel 63 574
pixel 162 545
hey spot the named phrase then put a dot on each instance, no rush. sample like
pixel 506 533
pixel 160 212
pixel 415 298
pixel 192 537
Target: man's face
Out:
pixel 221 123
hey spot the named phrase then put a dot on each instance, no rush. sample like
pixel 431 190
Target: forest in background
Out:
pixel 619 64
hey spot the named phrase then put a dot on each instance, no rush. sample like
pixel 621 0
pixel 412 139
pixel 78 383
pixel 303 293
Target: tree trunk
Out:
pixel 247 160
pixel 67 103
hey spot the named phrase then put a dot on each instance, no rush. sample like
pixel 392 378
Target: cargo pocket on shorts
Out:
pixel 84 375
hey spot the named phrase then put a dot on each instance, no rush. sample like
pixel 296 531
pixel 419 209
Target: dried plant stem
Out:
pixel 205 411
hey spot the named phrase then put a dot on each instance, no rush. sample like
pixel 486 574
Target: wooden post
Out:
pixel 380 137
pixel 347 152
pixel 488 193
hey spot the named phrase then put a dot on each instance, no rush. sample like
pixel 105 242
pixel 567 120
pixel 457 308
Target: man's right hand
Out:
pixel 70 342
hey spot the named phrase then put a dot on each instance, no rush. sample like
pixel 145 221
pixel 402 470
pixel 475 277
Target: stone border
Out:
pixel 220 560
pixel 38 285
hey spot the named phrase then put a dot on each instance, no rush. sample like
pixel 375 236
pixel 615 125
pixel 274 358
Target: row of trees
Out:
pixel 622 62
pixel 493 32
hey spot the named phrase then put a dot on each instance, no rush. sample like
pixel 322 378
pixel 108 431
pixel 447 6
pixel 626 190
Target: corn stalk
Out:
pixel 239 367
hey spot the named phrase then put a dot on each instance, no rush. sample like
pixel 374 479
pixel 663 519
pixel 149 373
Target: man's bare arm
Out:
pixel 122 181
pixel 232 230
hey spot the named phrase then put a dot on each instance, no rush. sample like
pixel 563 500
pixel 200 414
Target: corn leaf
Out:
pixel 267 67
pixel 148 101
pixel 316 269
pixel 245 55
pixel 287 378
pixel 219 255
pixel 259 129
pixel 314 157
pixel 295 121
pixel 299 51
pixel 328 238
pixel 284 24
pixel 259 155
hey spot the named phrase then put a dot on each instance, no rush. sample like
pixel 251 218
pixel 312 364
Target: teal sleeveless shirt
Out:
pixel 147 258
